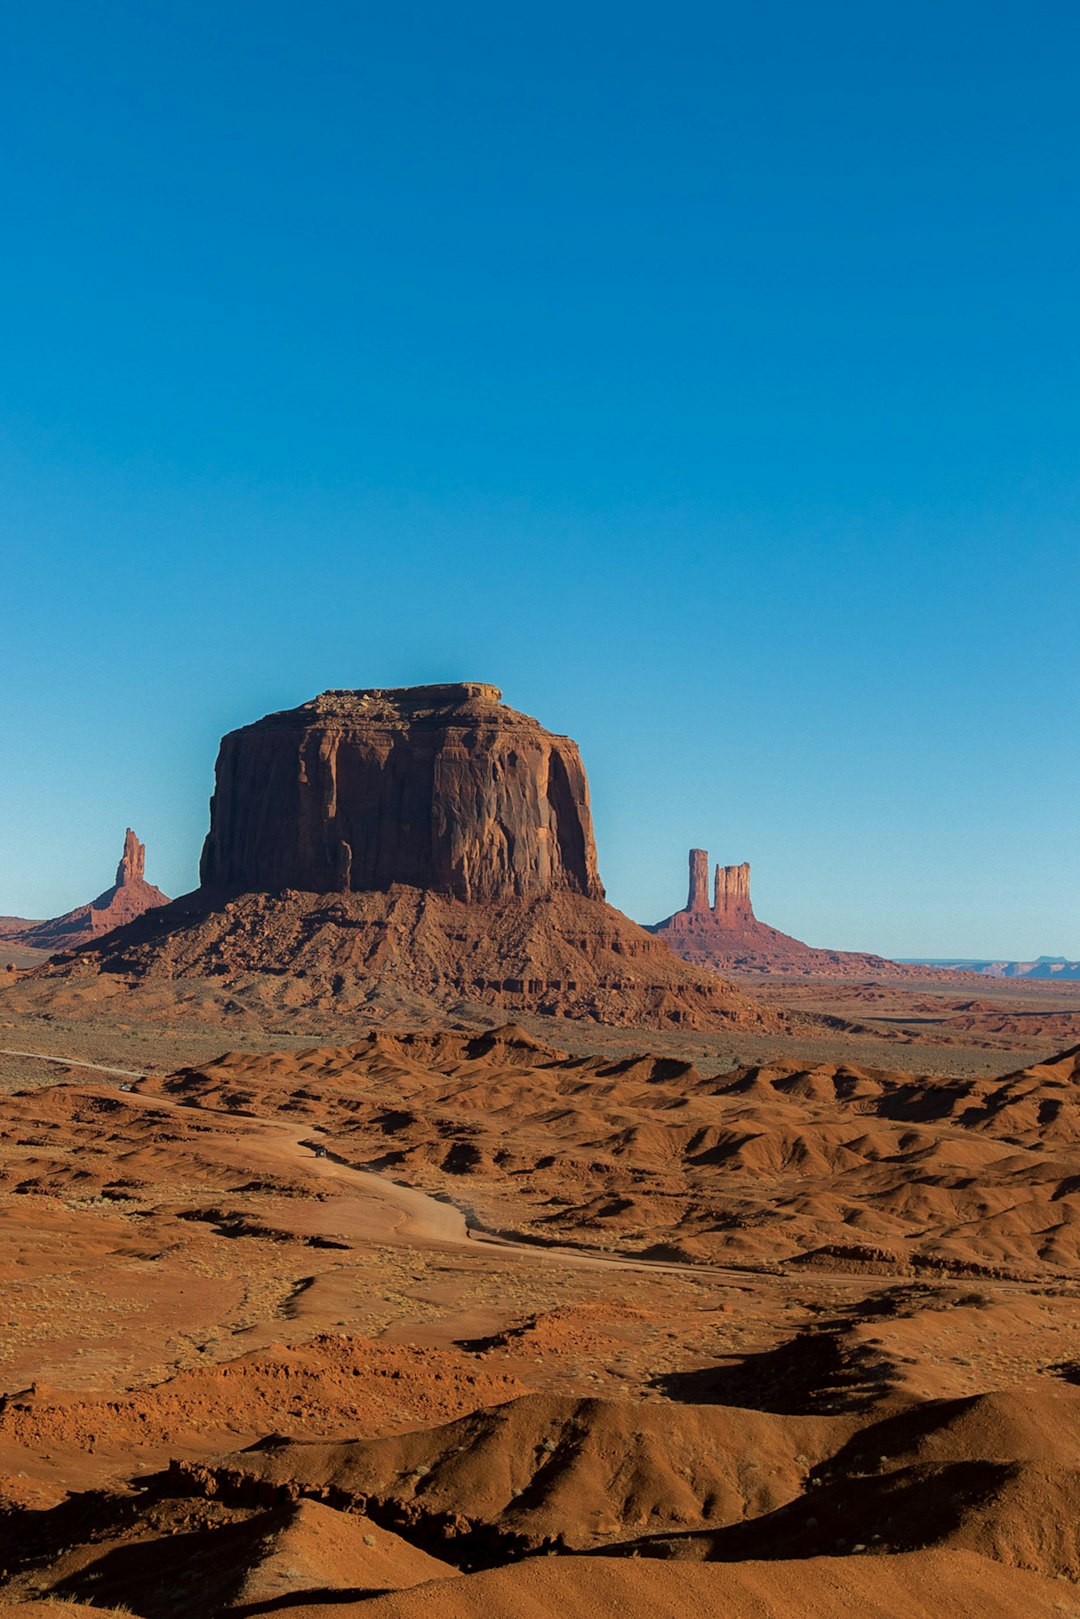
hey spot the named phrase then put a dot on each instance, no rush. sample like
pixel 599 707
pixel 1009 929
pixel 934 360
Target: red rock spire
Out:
pixel 698 899
pixel 731 893
pixel 132 861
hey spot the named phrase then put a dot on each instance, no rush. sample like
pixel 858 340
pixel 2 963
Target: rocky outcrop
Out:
pixel 731 894
pixel 412 852
pixel 129 897
pixel 439 787
pixel 730 905
pixel 697 902
pixel 132 864
pixel 727 937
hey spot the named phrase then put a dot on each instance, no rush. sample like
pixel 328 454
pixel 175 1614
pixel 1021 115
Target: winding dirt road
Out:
pixel 419 1216
pixel 423 1218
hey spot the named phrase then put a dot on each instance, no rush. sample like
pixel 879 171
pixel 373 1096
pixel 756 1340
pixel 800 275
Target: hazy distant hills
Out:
pixel 1056 967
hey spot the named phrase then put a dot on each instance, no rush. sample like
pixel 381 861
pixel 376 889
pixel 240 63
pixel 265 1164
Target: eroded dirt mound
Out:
pixel 406 951
pixel 542 1470
pixel 951 1585
pixel 167 1558
pixel 994 1474
pixel 833 1165
pixel 330 1385
pixel 876 1386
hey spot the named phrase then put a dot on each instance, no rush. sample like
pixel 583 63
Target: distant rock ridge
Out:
pixel 129 897
pixel 726 936
pixel 1046 969
pixel 411 849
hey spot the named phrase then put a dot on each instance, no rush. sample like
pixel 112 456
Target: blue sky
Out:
pixel 705 376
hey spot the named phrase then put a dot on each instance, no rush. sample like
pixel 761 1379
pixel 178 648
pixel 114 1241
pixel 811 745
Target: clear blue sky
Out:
pixel 706 375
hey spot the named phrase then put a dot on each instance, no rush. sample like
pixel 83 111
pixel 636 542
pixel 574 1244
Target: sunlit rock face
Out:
pixel 439 787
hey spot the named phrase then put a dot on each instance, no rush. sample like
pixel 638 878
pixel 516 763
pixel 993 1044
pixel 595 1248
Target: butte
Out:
pixel 129 896
pixel 726 936
pixel 387 853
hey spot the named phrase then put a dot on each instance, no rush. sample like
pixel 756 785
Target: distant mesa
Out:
pixel 129 897
pixel 1046 969
pixel 395 851
pixel 724 934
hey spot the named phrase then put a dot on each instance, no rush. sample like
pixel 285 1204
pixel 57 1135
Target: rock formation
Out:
pixel 697 903
pixel 731 894
pixel 132 864
pixel 439 787
pixel 728 937
pixel 128 898
pixel 398 852
pixel 730 906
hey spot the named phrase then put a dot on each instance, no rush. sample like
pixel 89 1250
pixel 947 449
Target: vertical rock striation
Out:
pixel 437 787
pixel 731 894
pixel 697 902
pixel 132 861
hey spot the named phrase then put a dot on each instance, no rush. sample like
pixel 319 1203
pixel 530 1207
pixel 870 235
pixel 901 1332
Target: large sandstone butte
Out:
pixel 395 853
pixel 438 787
pixel 129 897
pixel 726 936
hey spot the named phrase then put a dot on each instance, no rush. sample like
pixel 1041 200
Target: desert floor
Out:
pixel 545 1317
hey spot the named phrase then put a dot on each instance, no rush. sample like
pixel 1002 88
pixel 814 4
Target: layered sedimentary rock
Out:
pixel 439 787
pixel 697 901
pixel 129 897
pixel 730 905
pixel 399 851
pixel 731 894
pixel 726 936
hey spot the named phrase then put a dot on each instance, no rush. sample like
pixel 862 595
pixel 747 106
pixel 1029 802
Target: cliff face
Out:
pixel 132 865
pixel 731 894
pixel 697 901
pixel 439 787
pixel 128 898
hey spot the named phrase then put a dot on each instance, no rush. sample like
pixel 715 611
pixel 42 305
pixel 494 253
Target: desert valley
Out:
pixel 391 1226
